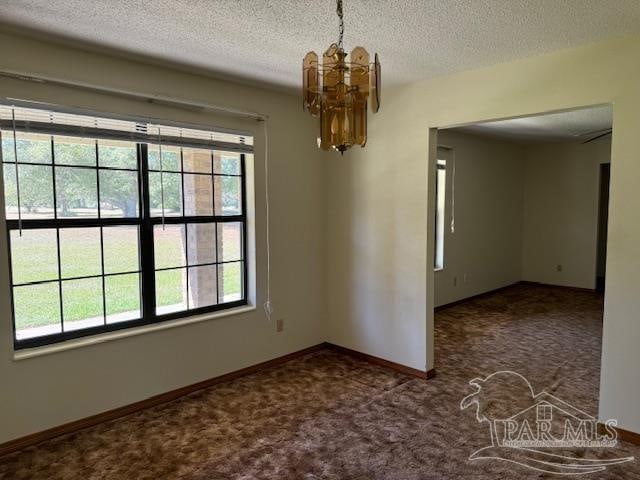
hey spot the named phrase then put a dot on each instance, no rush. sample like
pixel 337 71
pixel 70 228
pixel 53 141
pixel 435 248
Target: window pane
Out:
pixel 226 163
pixel 169 246
pixel 76 192
pixel 74 150
pixel 32 148
pixel 228 198
pixel 34 256
pixel 198 194
pixel 10 191
pixel 171 291
pixel 230 241
pixel 202 286
pixel 170 158
pixel 82 303
pixel 172 194
pixel 121 251
pixel 116 154
pixel 80 252
pixel 118 193
pixel 201 243
pixel 36 191
pixel 8 154
pixel 122 297
pixel 37 310
pixel 196 160
pixel 230 282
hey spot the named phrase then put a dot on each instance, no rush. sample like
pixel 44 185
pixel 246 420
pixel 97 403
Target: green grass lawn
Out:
pixel 34 258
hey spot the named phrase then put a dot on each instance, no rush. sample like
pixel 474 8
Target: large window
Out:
pixel 120 223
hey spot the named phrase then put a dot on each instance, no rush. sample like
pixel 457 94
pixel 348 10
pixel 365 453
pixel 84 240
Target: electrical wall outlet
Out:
pixel 279 325
pixel 558 268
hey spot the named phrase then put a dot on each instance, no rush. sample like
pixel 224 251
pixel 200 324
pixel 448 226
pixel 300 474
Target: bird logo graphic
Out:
pixel 539 431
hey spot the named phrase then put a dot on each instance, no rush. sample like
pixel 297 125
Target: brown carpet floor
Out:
pixel 327 416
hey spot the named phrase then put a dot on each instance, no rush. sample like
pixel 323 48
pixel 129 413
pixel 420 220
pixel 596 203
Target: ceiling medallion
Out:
pixel 338 90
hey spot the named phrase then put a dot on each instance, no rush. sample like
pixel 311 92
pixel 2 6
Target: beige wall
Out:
pixel 561 194
pixel 355 231
pixel 380 250
pixel 49 390
pixel 484 252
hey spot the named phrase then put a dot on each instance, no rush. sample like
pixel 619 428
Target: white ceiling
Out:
pixel 572 126
pixel 264 40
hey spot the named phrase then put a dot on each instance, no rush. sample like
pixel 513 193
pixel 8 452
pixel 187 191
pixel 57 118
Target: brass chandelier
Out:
pixel 338 92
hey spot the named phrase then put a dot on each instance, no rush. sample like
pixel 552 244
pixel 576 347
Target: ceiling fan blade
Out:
pixel 592 132
pixel 608 132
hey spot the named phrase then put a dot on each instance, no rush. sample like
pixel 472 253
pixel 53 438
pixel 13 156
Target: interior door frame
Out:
pixel 431 206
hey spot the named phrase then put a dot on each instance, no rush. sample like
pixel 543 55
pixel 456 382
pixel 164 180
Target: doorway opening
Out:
pixel 521 251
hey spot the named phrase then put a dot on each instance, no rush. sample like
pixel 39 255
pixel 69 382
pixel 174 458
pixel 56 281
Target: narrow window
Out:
pixel 441 182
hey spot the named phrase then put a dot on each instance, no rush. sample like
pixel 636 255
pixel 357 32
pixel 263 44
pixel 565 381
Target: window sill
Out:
pixel 131 332
pixel 438 269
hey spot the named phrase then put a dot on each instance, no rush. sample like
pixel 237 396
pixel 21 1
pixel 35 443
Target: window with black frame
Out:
pixel 114 224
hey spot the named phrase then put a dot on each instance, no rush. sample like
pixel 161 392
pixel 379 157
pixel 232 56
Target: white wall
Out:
pixel 561 194
pixel 50 390
pixel 380 250
pixel 485 251
pixel 521 210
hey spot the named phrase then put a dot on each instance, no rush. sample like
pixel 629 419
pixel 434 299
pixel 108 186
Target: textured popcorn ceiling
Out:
pixel 574 126
pixel 264 41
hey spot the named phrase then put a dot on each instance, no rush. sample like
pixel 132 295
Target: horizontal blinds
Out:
pixel 75 125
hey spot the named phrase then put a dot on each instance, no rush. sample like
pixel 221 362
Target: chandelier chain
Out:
pixel 340 16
